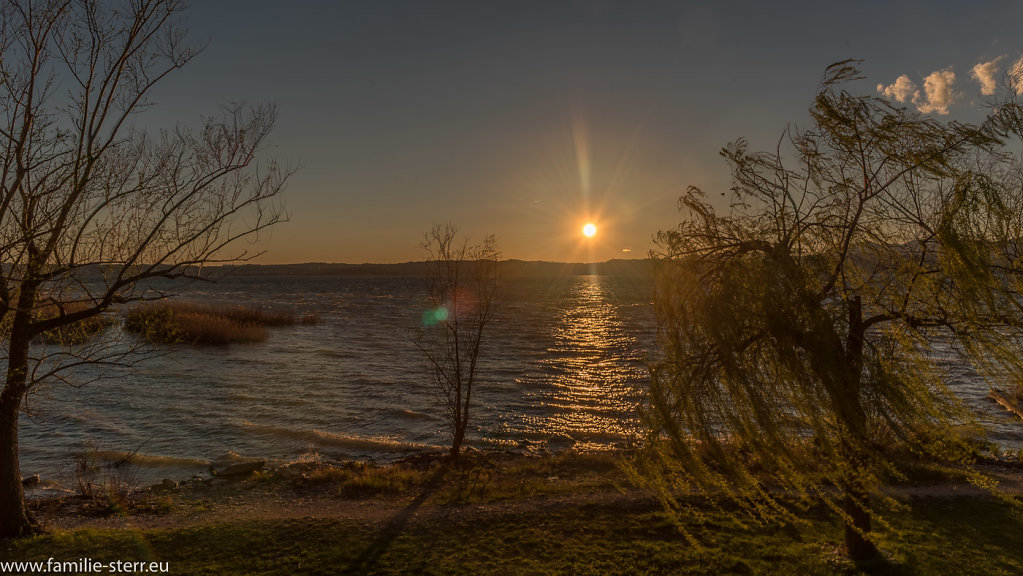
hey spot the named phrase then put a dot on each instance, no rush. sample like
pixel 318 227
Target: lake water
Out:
pixel 564 358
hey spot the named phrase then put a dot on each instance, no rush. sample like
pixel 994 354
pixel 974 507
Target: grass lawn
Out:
pixel 443 529
pixel 962 535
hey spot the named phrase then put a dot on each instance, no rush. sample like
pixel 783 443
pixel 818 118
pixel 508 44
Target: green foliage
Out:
pixel 806 331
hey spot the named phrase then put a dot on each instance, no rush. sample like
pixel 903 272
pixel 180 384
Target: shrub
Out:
pixel 109 483
pixel 364 479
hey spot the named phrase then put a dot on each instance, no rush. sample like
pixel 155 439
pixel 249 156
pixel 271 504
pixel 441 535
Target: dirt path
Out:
pixel 231 504
pixel 205 503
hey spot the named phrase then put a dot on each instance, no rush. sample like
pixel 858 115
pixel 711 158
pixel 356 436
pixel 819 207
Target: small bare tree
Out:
pixel 464 280
pixel 90 206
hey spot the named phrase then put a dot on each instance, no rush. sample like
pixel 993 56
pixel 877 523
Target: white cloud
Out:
pixel 938 93
pixel 1016 76
pixel 987 74
pixel 901 90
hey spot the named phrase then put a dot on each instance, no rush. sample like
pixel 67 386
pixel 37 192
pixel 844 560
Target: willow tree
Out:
pixel 805 330
pixel 90 206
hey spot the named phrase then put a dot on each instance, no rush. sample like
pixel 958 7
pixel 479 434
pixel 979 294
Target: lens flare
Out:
pixel 435 316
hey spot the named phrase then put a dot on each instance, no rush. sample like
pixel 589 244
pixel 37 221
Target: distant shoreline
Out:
pixel 507 269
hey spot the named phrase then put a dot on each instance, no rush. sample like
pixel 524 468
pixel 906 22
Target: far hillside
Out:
pixel 507 269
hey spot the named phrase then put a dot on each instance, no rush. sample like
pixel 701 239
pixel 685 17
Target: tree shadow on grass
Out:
pixel 985 535
pixel 367 561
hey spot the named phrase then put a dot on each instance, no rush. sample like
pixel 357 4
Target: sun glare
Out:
pixel 589 230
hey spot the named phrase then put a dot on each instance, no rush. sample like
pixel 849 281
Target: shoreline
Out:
pixel 149 471
pixel 323 488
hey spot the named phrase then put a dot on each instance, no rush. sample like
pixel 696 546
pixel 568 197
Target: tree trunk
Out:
pixel 456 442
pixel 457 425
pixel 856 503
pixel 14 517
pixel 461 421
pixel 461 425
pixel 862 550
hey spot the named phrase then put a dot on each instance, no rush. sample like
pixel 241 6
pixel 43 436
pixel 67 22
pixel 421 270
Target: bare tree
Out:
pixel 804 331
pixel 91 207
pixel 451 336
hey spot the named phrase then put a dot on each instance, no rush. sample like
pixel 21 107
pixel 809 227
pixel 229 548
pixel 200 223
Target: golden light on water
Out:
pixel 589 370
pixel 589 229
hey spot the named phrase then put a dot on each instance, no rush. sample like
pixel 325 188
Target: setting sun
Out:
pixel 589 230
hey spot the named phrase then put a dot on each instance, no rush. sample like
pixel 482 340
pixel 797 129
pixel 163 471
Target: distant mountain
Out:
pixel 507 269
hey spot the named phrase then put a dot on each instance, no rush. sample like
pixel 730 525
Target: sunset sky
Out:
pixel 529 119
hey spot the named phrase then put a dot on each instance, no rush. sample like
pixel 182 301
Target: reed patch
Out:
pixel 195 323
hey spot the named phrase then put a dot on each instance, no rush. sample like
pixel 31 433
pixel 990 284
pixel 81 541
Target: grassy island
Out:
pixel 195 323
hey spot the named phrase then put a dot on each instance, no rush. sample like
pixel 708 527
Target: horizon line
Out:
pixel 507 260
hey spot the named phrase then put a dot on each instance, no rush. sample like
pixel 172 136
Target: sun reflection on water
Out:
pixel 588 379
